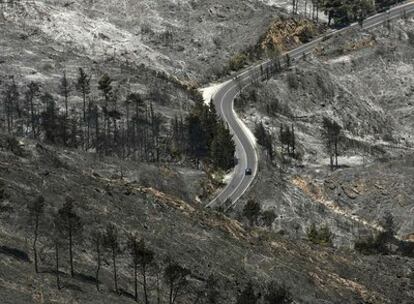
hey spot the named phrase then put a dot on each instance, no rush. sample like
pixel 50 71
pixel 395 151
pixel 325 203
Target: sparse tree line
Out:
pixel 287 139
pixel 65 230
pixel 331 135
pixel 154 279
pixel 110 124
pixel 384 241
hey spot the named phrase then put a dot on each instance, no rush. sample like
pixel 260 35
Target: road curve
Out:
pixel 246 153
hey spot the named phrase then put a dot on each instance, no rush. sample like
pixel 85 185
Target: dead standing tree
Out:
pixel 56 238
pixel 176 277
pixel 133 246
pixel 65 91
pixel 31 94
pixel 111 241
pixel 97 238
pixel 332 134
pixel 70 226
pixel 36 211
pixel 11 100
pixel 83 86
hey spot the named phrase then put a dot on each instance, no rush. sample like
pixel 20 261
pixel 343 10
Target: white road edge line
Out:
pixel 399 10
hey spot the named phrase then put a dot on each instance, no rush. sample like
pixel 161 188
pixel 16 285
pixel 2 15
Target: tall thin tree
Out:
pixel 57 243
pixel 70 225
pixel 83 86
pixel 111 241
pixel 97 237
pixel 176 277
pixel 31 94
pixel 36 210
pixel 65 90
pixel 133 246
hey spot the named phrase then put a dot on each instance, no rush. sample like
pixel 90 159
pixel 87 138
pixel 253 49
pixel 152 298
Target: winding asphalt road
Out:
pixel 246 153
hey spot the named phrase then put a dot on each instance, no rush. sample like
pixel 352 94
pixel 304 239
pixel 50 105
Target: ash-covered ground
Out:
pixel 363 81
pixel 160 49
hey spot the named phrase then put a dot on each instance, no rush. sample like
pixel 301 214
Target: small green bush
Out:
pixel 238 61
pixel 321 236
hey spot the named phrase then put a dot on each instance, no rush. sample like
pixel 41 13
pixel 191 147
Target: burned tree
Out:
pixel 83 86
pixel 56 238
pixel 97 238
pixel 142 257
pixel 111 241
pixel 51 122
pixel 36 210
pixel 133 246
pixel 30 96
pixel 288 140
pixel 176 277
pixel 264 138
pixel 331 133
pixel 65 91
pixel 105 86
pixel 11 98
pixel 70 226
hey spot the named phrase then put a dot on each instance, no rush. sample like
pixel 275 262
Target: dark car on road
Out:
pixel 248 171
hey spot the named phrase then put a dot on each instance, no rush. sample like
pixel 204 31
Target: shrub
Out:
pixel 321 236
pixel 238 61
pixel 372 245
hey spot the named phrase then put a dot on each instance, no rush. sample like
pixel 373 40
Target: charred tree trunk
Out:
pixel 36 233
pixel 115 273
pixel 57 265
pixel 71 252
pixel 98 262
pixel 136 282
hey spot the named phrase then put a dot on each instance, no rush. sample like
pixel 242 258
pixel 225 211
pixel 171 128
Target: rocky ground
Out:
pixel 364 82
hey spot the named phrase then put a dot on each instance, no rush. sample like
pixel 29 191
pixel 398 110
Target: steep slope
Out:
pixel 362 81
pixel 205 242
pixel 188 39
pixel 165 47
